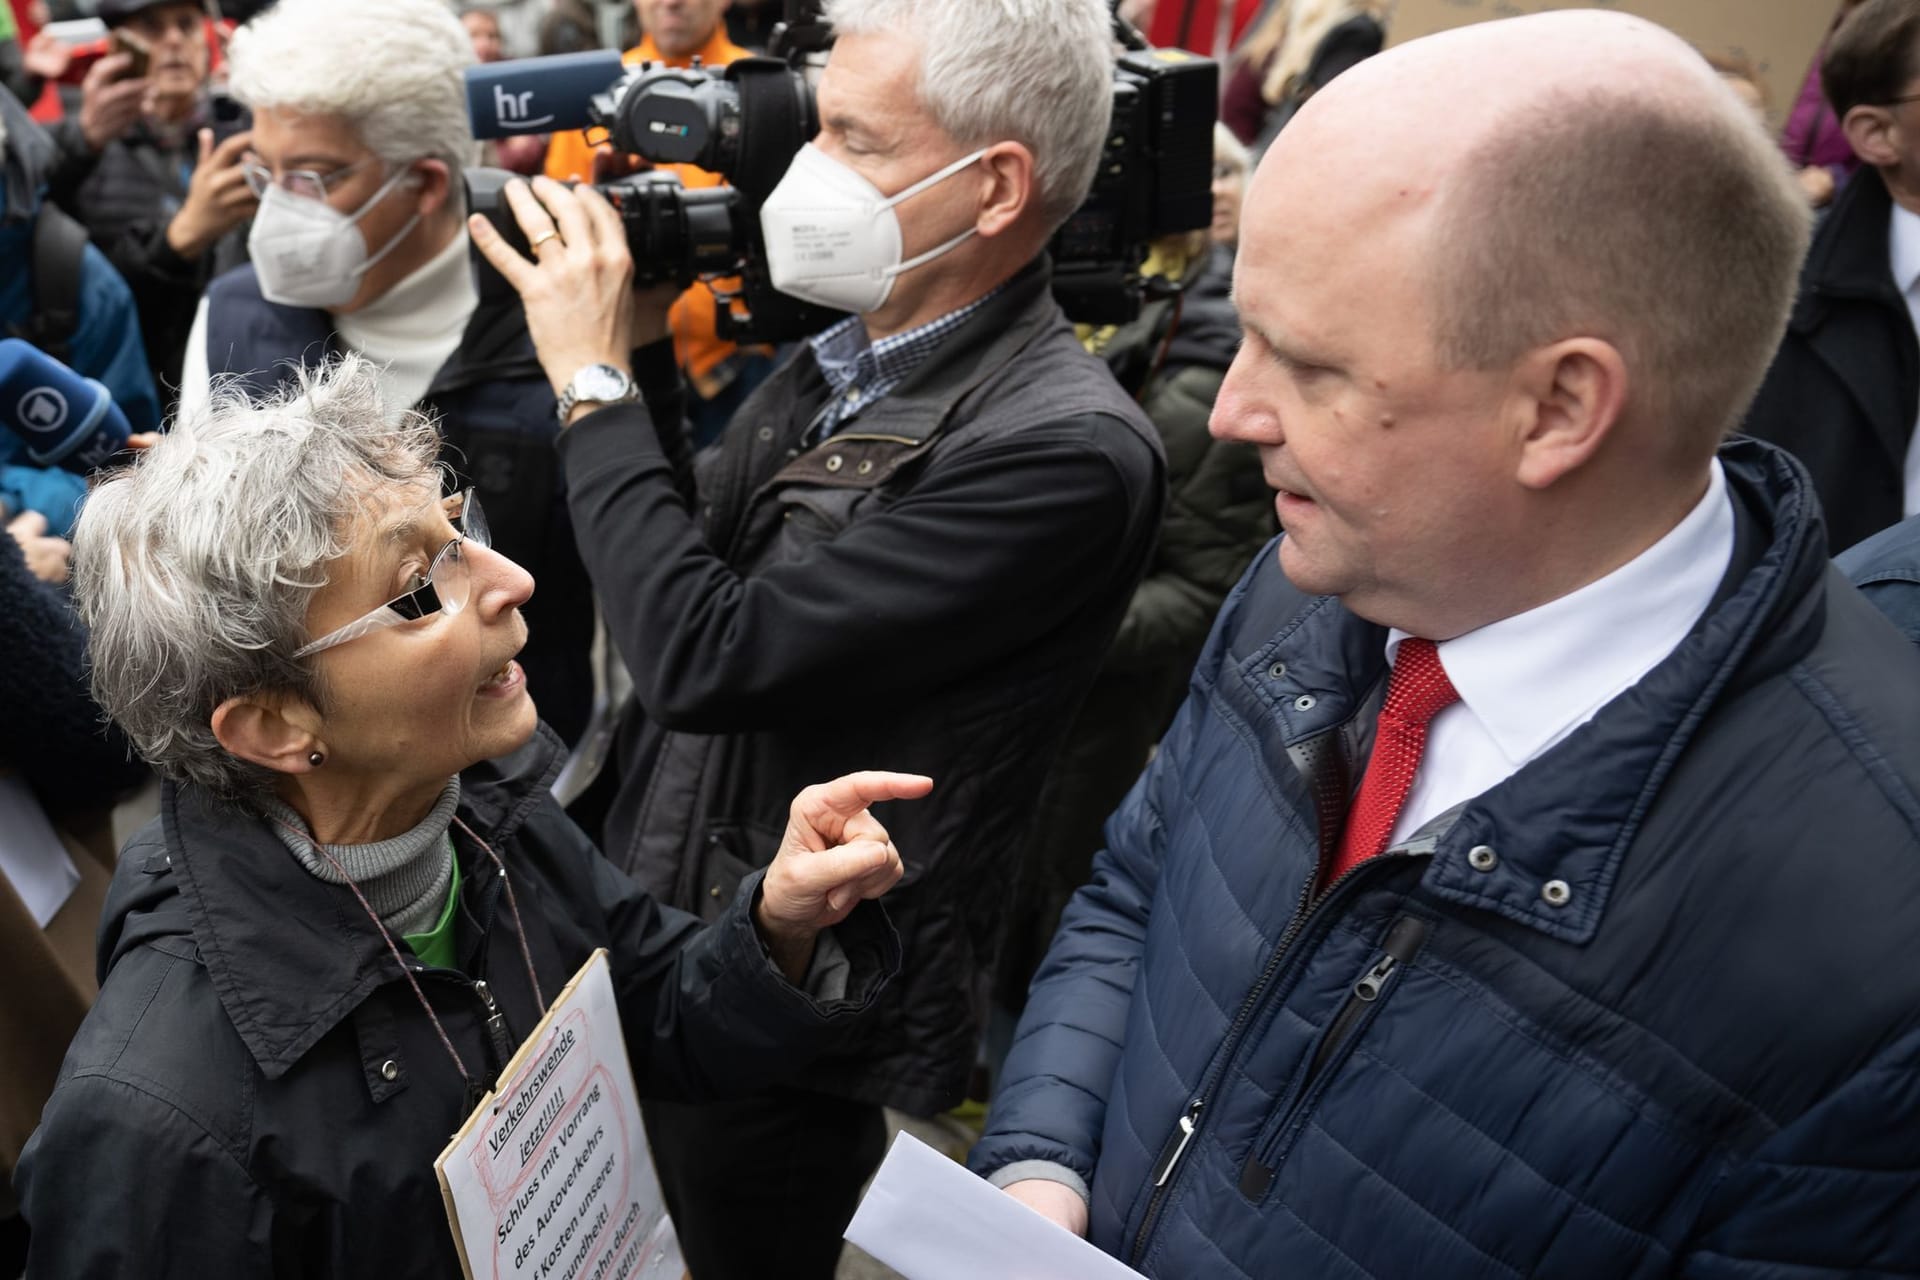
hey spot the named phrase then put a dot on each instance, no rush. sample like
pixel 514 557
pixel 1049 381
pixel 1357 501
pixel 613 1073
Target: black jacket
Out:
pixel 258 1092
pixel 929 590
pixel 1219 514
pixel 1842 393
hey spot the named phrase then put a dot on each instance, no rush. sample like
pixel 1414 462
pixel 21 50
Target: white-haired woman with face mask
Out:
pixel 360 894
pixel 359 145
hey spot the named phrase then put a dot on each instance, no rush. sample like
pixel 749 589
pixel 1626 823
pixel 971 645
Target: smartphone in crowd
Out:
pixel 136 49
pixel 91 41
pixel 227 115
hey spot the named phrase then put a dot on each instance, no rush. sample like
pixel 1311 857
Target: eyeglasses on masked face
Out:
pixel 308 184
pixel 444 588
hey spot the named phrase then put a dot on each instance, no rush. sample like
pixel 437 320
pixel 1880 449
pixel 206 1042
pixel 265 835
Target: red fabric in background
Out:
pixel 1190 24
pixel 45 108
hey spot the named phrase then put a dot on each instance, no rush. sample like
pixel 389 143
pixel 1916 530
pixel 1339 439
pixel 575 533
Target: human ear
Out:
pixel 1009 168
pixel 1568 397
pixel 1872 132
pixel 277 737
pixel 435 185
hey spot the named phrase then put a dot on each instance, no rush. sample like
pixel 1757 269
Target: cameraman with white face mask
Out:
pixel 359 141
pixel 935 511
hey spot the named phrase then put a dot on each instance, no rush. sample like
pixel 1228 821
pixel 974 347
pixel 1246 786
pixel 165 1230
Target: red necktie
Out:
pixel 1416 691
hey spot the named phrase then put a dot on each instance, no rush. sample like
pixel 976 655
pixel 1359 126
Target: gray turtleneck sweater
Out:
pixel 405 877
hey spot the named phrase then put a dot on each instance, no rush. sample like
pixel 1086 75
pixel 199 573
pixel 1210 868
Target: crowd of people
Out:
pixel 1365 764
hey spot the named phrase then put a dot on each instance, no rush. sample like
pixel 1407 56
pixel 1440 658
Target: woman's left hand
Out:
pixel 834 854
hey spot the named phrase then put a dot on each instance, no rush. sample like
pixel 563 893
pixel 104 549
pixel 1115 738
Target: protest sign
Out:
pixel 550 1178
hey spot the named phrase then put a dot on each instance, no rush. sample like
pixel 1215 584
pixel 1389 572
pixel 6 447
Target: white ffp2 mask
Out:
pixel 309 254
pixel 834 240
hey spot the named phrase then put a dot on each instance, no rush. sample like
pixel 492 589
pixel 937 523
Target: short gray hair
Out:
pixel 1036 72
pixel 194 567
pixel 390 68
pixel 1673 232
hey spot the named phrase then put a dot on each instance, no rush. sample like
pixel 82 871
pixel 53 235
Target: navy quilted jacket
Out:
pixel 1698 1055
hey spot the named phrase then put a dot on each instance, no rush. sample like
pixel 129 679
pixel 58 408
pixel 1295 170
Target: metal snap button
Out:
pixel 865 466
pixel 765 433
pixel 1277 671
pixel 1556 893
pixel 1305 702
pixel 1481 858
pixel 713 891
pixel 836 462
pixel 389 1070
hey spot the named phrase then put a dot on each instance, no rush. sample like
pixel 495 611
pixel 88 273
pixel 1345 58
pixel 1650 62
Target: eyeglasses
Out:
pixel 1894 102
pixel 299 182
pixel 444 588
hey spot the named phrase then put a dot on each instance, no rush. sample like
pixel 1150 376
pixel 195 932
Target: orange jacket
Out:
pixel 696 344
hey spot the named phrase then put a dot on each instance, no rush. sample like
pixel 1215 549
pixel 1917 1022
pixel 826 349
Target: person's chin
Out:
pixel 1306 571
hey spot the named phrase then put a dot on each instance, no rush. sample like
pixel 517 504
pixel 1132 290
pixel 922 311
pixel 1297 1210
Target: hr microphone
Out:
pixel 66 420
pixel 538 95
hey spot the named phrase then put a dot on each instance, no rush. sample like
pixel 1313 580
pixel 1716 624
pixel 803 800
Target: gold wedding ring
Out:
pixel 542 238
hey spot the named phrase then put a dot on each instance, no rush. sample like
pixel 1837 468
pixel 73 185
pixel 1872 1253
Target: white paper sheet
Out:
pixel 32 858
pixel 929 1219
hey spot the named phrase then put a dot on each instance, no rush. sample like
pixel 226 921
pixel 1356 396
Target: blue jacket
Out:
pixel 105 345
pixel 1886 568
pixel 1704 1061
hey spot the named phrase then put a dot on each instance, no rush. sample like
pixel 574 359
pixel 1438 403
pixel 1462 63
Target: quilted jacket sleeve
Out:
pixel 1052 1100
pixel 1837 1192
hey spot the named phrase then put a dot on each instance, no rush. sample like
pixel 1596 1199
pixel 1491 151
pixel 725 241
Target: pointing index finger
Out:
pixel 849 795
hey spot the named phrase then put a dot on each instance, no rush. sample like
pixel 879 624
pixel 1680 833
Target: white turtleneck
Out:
pixel 409 331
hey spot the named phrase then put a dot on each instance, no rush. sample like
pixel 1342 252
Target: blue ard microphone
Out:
pixel 538 95
pixel 66 420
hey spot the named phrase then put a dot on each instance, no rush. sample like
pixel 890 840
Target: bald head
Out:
pixel 1575 173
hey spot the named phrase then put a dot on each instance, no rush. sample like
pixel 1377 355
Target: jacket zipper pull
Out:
pixel 1368 988
pixel 1189 1121
pixel 496 1022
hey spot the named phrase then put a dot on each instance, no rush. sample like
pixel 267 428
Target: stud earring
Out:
pixel 315 759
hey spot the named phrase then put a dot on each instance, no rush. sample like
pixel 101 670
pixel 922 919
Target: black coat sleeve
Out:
pixel 706 1011
pixel 990 548
pixel 101 1133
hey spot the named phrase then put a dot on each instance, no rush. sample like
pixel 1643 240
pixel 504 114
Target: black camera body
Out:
pixel 746 122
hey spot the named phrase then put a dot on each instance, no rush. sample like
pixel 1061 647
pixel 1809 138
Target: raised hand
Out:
pixel 834 853
pixel 218 197
pixel 110 100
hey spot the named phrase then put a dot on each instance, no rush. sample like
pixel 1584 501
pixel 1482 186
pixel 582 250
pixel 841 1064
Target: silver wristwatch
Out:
pixel 596 384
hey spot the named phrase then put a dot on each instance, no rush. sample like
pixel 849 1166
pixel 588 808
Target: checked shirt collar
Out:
pixel 860 371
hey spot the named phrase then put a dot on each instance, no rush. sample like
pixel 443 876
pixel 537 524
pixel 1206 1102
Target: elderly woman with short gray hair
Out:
pixel 360 894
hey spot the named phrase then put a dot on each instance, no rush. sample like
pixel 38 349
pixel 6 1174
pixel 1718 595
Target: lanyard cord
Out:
pixel 386 936
pixel 513 908
pixel 393 949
